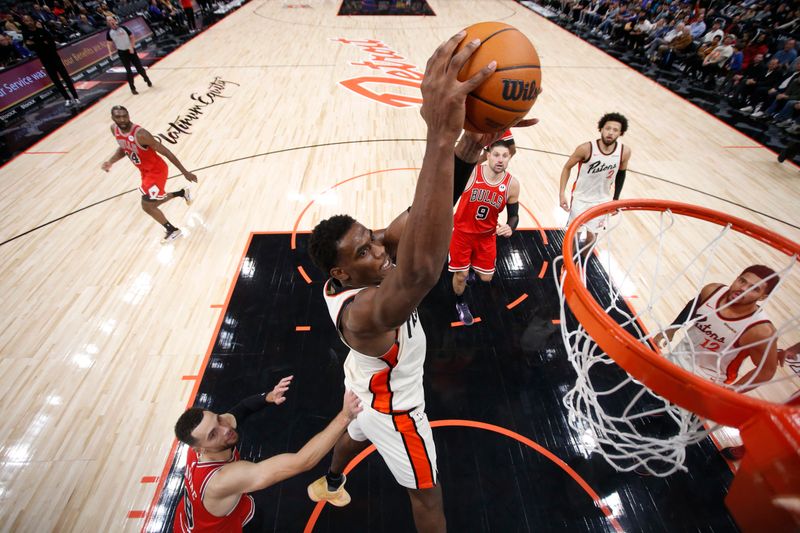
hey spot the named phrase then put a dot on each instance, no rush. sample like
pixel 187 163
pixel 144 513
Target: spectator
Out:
pixel 70 8
pixel 155 12
pixel 660 29
pixel 787 94
pixel 658 41
pixel 83 25
pixel 732 68
pixel 696 62
pixel 716 59
pixel 188 10
pixel 608 19
pixel 776 93
pixel 787 55
pixel 748 17
pixel 8 53
pixel 697 28
pixel 735 27
pixel 790 123
pixel 757 46
pixel 790 25
pixel 716 30
pixel 639 32
pixel 680 44
pixel 10 25
pixel 744 84
pixel 38 14
pixel 591 14
pixel 764 16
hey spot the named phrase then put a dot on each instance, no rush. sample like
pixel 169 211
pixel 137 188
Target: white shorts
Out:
pixel 404 441
pixel 595 225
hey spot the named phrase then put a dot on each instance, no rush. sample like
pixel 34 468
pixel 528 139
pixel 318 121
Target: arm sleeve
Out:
pixel 461 173
pixel 618 183
pixel 126 30
pixel 513 215
pixel 685 313
pixel 248 406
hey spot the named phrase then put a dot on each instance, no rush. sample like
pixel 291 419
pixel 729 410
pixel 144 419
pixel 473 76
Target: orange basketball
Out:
pixel 510 92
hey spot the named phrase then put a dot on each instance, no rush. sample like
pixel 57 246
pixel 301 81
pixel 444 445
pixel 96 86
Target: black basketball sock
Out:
pixel 180 193
pixel 169 227
pixel 334 481
pixel 460 298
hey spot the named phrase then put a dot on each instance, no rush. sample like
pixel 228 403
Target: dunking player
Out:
pixel 142 149
pixel 373 302
pixel 728 327
pixel 475 226
pixel 602 165
pixel 216 483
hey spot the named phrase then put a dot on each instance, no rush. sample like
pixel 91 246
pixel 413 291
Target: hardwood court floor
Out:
pixel 103 328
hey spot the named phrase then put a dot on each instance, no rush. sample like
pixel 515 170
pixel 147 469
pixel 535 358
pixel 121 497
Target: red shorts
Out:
pixel 153 183
pixel 476 250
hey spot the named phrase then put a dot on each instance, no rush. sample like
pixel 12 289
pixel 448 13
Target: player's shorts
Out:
pixel 405 442
pixel 595 225
pixel 478 250
pixel 153 184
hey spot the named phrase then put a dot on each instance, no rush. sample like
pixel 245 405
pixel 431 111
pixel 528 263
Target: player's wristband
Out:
pixel 513 215
pixel 248 406
pixel 685 314
pixel 618 183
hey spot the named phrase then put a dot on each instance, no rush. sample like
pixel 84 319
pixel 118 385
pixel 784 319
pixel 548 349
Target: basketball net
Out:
pixel 615 414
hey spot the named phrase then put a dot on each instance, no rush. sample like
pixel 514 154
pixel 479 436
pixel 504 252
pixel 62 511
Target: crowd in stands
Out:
pixel 71 20
pixel 744 50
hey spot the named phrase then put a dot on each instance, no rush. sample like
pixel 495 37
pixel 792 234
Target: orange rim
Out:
pixel 680 386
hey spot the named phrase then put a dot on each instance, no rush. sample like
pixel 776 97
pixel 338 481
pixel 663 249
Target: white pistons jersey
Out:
pixel 596 175
pixel 391 383
pixel 713 341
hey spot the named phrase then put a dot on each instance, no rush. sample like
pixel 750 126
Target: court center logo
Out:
pixel 398 82
pixel 182 125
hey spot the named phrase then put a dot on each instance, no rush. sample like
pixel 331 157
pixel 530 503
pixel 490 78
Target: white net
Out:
pixel 642 270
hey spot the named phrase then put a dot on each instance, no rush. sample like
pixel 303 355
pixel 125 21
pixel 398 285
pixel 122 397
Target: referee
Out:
pixel 125 43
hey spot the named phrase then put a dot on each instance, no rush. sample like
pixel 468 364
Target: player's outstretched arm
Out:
pixel 581 153
pixel 430 222
pixel 253 404
pixel 241 477
pixel 145 138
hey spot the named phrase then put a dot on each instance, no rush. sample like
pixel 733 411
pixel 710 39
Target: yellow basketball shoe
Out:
pixel 319 491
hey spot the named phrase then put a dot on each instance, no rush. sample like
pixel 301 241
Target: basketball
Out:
pixel 509 93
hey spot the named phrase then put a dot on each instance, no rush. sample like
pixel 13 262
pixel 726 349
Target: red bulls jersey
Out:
pixel 192 516
pixel 481 204
pixel 145 159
